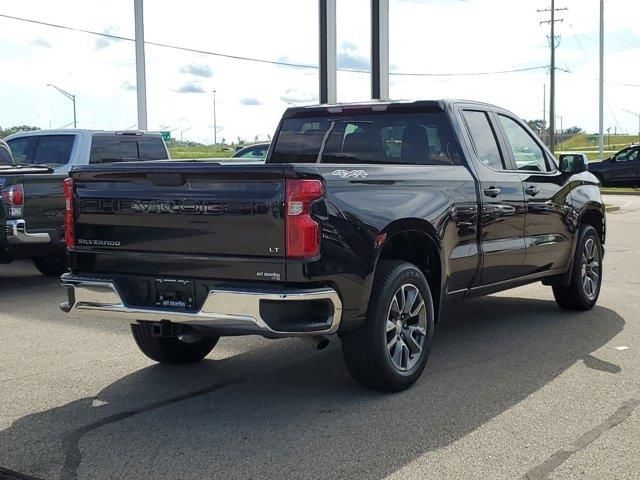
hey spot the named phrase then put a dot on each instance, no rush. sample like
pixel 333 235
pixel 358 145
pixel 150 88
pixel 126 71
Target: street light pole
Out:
pixel 182 131
pixel 70 97
pixel 215 124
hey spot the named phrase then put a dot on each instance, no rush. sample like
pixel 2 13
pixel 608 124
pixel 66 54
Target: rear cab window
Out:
pixel 52 150
pixel 411 138
pixel 122 148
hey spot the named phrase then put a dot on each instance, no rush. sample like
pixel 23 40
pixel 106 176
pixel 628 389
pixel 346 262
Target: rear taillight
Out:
pixel 69 233
pixel 13 198
pixel 303 232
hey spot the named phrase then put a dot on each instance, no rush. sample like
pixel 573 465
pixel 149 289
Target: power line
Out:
pixel 265 61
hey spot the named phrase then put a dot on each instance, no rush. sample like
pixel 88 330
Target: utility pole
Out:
pixel 544 111
pixel 552 72
pixel 561 132
pixel 215 124
pixel 601 86
pixel 71 97
pixel 141 77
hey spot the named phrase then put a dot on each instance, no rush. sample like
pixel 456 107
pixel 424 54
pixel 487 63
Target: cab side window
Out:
pixel 484 139
pixel 628 154
pixel 527 153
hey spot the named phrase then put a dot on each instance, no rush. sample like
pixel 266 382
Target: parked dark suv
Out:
pixel 621 169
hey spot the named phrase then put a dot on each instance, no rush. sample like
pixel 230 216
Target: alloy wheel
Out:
pixel 406 327
pixel 590 274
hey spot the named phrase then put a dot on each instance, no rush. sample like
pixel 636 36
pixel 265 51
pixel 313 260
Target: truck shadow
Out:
pixel 285 411
pixel 21 275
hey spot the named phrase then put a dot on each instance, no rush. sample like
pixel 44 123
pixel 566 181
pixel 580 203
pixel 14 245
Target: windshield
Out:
pixel 52 150
pixel 378 137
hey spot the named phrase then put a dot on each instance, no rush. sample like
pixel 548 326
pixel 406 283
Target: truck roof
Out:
pixel 82 131
pixel 336 107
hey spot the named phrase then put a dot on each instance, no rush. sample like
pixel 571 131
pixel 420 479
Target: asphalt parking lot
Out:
pixel 514 388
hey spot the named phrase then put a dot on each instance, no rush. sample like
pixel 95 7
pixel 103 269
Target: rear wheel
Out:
pixel 586 275
pixel 51 265
pixel 171 350
pixel 390 350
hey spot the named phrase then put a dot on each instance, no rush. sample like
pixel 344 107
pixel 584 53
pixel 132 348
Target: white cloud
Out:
pixel 41 42
pixel 250 101
pixel 198 70
pixel 127 86
pixel 190 87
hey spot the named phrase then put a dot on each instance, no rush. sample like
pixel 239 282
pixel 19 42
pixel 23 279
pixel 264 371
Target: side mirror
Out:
pixel 573 163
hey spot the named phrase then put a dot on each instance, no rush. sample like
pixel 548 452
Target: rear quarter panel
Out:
pixel 437 200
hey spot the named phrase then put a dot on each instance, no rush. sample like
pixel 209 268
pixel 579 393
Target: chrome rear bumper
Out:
pixel 224 311
pixel 17 234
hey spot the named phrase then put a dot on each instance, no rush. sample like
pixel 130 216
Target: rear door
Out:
pixel 502 198
pixel 548 201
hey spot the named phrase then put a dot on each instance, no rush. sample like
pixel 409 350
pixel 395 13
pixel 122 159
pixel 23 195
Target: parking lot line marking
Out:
pixel 542 471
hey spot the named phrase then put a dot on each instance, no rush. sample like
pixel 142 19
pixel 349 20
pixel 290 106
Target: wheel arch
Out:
pixel 594 216
pixel 414 241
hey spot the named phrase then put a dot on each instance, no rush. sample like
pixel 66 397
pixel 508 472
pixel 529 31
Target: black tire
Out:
pixel 583 294
pixel 169 349
pixel 51 265
pixel 367 351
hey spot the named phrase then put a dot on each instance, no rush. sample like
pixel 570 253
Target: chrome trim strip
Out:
pixel 17 233
pixel 232 311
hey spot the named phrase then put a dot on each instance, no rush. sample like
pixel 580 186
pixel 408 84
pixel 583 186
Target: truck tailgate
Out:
pixel 200 212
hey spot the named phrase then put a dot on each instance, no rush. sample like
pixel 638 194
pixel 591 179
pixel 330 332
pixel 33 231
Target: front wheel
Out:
pixel 171 350
pixel 586 274
pixel 390 350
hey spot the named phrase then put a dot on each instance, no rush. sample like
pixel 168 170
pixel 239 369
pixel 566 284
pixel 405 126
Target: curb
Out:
pixel 611 208
pixel 621 193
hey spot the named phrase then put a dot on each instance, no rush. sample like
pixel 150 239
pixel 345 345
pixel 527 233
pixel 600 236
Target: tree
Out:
pixel 572 131
pixel 19 128
pixel 537 126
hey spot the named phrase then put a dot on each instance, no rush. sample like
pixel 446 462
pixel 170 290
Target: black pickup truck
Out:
pixel 32 229
pixel 365 221
pixel 32 204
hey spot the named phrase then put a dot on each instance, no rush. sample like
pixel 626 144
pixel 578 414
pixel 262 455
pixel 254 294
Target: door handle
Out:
pixel 531 190
pixel 492 192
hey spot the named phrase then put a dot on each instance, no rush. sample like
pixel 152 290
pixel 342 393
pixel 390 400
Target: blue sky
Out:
pixel 426 36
